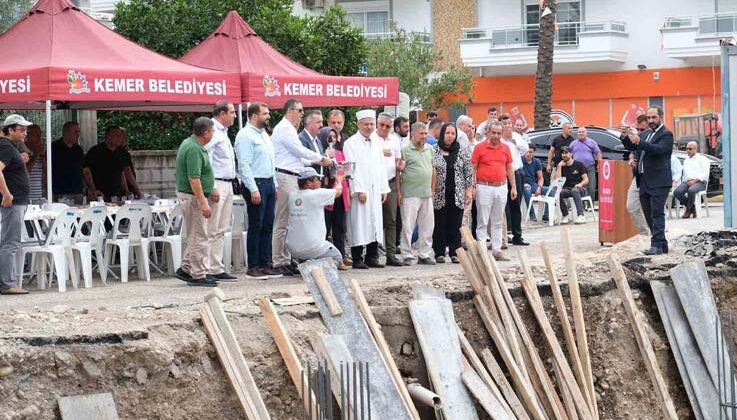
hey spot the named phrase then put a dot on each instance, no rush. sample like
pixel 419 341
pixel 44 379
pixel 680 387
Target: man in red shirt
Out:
pixel 492 168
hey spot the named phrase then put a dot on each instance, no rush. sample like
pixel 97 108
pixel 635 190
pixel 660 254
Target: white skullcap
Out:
pixel 365 113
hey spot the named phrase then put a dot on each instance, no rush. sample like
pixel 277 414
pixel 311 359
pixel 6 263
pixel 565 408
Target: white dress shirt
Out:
pixel 220 151
pixel 289 152
pixel 676 169
pixel 395 145
pixel 696 167
pixel 516 150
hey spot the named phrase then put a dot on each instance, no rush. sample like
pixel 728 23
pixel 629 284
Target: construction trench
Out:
pixel 159 363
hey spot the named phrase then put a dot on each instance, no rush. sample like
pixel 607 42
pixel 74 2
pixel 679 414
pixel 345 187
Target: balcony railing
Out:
pixel 528 35
pixel 425 37
pixel 717 24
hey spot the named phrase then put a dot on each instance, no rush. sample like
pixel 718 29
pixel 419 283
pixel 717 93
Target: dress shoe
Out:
pixel 285 270
pixel 374 263
pixel 342 267
pixel 653 251
pixel 182 275
pixel 455 260
pixel 425 261
pixel 394 262
pixel 270 273
pixel 224 277
pixel 257 274
pixel 686 214
pixel 13 291
pixel 520 241
pixel 347 261
pixel 203 282
pixel 360 265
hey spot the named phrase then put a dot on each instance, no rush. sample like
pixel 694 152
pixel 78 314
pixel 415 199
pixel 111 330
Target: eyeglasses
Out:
pixel 300 110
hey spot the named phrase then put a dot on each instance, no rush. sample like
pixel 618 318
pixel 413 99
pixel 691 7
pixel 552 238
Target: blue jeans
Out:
pixel 527 193
pixel 260 225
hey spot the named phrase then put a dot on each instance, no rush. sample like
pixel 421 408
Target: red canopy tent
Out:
pixel 59 55
pixel 269 76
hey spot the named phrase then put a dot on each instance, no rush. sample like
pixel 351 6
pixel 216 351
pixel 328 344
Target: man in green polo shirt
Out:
pixel 415 186
pixel 195 191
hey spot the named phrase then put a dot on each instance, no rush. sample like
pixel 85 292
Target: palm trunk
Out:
pixel 544 75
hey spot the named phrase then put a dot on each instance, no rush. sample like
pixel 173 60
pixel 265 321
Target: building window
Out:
pixel 370 22
pixel 568 16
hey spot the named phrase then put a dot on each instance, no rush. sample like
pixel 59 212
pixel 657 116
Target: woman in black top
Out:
pixel 453 191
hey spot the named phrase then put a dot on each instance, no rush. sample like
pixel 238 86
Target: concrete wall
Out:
pixel 155 171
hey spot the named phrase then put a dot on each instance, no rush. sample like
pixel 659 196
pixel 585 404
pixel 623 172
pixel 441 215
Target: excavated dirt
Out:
pixel 159 364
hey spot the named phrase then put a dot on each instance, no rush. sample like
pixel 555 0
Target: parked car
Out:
pixel 612 148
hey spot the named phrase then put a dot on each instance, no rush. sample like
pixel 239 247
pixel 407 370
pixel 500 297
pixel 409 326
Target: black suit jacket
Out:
pixel 655 158
pixel 304 137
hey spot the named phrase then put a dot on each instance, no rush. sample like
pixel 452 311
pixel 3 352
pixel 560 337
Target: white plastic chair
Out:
pixel 57 245
pixel 134 236
pixel 171 239
pixel 235 240
pixel 588 205
pixel 702 200
pixel 549 199
pixel 90 236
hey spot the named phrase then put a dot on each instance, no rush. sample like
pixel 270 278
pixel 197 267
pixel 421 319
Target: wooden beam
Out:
pixel 550 398
pixel 473 360
pixel 582 343
pixel 535 302
pixel 566 326
pixel 504 386
pixel 383 346
pixel 521 383
pixel 229 352
pixel 643 342
pixel 565 393
pixel 327 292
pixel 483 394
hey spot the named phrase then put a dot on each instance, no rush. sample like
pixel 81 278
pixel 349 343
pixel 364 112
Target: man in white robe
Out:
pixel 369 188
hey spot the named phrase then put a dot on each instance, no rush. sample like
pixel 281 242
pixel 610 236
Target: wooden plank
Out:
pixel 326 291
pixel 560 305
pixel 521 384
pixel 473 359
pixel 360 342
pixel 533 298
pixel 228 362
pixel 88 407
pixel 383 346
pixel 582 343
pixel 545 388
pixel 565 393
pixel 298 300
pixel 501 380
pixel 286 349
pixel 483 394
pixel 643 342
pixel 704 398
pixel 438 339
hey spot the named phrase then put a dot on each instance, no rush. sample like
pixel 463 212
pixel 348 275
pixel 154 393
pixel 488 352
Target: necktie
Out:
pixel 641 163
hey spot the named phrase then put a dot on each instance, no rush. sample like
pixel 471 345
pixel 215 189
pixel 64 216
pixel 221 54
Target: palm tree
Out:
pixel 544 75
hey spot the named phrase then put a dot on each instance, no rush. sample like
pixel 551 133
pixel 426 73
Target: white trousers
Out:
pixel 417 211
pixel 490 203
pixel 635 208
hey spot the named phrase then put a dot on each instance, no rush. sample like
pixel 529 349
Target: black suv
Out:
pixel 612 148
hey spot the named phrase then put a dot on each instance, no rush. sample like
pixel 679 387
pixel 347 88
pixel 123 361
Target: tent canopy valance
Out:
pixel 269 76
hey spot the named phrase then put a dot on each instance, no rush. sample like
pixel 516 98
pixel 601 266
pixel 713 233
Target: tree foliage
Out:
pixel 12 10
pixel 405 55
pixel 327 43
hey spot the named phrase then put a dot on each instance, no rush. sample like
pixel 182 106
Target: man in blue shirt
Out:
pixel 532 171
pixel 256 170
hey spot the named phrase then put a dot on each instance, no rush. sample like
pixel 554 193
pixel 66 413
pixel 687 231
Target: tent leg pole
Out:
pixel 49 192
pixel 240 116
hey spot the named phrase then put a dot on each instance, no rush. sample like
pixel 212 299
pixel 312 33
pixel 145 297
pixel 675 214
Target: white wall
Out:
pixel 413 15
pixel 106 6
pixel 644 20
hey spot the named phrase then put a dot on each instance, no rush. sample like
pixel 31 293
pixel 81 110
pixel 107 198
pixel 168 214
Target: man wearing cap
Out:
pixel 307 231
pixel 15 187
pixel 575 186
pixel 369 189
pixel 290 158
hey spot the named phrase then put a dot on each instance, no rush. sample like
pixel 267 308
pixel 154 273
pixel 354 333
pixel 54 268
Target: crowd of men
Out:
pixel 321 193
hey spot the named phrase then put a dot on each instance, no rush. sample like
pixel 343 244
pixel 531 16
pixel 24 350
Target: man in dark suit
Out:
pixel 653 148
pixel 308 136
